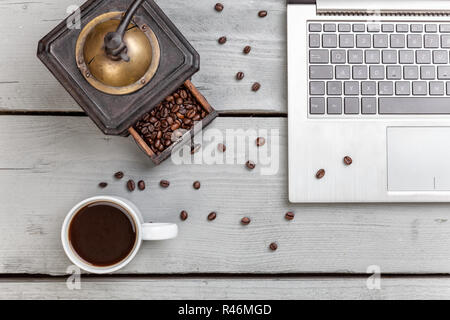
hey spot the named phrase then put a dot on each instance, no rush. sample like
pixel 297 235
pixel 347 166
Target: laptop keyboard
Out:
pixel 378 68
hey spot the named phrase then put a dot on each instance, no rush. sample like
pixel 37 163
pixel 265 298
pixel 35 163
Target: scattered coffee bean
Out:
pixel 197 185
pixel 103 185
pixel 290 216
pixel 119 175
pixel 219 7
pixel 273 246
pixel 256 86
pixel 222 40
pixel 131 185
pixel 212 216
pixel 250 165
pixel 141 185
pixel 348 161
pixel 320 174
pixel 240 76
pixel 247 49
pixel 246 221
pixel 260 142
pixel 222 147
pixel 167 123
pixel 183 215
pixel 262 14
pixel 164 183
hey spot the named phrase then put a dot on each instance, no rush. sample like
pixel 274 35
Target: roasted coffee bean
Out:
pixel 289 216
pixel 183 94
pixel 260 142
pixel 221 147
pixel 256 86
pixel 103 185
pixel 218 7
pixel 320 174
pixel 262 14
pixel 164 183
pixel 246 221
pixel 273 246
pixel 197 185
pixel 240 75
pixel 141 185
pixel 131 185
pixel 251 165
pixel 190 114
pixel 179 101
pixel 247 49
pixel 184 215
pixel 222 40
pixel 175 126
pixel 348 161
pixel 212 216
pixel 119 175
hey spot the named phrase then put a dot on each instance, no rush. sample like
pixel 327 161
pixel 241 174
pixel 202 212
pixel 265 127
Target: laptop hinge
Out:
pixel 384 7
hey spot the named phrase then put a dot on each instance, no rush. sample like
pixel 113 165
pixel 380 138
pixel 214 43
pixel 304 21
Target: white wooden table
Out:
pixel 53 156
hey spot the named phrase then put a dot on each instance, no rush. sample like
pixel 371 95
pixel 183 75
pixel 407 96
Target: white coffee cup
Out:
pixel 144 231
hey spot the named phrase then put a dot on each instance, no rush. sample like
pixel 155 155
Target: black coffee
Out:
pixel 103 234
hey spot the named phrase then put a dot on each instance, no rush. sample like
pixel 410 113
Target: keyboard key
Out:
pixel 334 106
pixel 443 73
pixel 314 41
pixel 402 28
pixel 414 105
pixel 343 72
pixel 402 88
pixel 317 88
pixel 359 27
pixel 427 73
pixel 448 88
pixel 338 56
pixel 363 41
pixel 411 73
pixel 394 72
pixel 398 41
pixel 334 88
pixel 345 27
pixel 436 88
pixel 329 27
pixel 368 88
pixel 445 41
pixel 431 41
pixel 431 28
pixel 440 57
pixel 360 73
pixel 423 56
pixel 346 41
pixel 315 27
pixel 419 88
pixel 319 56
pixel 380 41
pixel 355 56
pixel 416 28
pixel 372 56
pixel 321 72
pixel 317 106
pixel 376 73
pixel 368 105
pixel 351 88
pixel 329 41
pixel 387 28
pixel 351 105
pixel 373 27
pixel 389 56
pixel 406 56
pixel 444 28
pixel 386 88
pixel 414 41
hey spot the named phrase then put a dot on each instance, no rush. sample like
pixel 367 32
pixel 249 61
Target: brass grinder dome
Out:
pixel 111 75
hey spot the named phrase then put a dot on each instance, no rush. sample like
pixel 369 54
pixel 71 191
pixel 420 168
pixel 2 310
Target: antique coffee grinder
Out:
pixel 125 59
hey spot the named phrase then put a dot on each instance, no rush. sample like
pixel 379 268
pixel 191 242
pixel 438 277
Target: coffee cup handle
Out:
pixel 159 231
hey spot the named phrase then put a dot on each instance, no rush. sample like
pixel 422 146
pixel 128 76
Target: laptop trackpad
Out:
pixel 418 158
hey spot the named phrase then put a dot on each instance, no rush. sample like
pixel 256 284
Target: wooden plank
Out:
pixel 26 85
pixel 50 163
pixel 289 288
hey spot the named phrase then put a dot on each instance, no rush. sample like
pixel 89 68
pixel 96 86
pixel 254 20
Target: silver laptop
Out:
pixel 369 80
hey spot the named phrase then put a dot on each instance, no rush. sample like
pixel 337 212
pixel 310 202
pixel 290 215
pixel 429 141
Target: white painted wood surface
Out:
pixel 50 163
pixel 26 85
